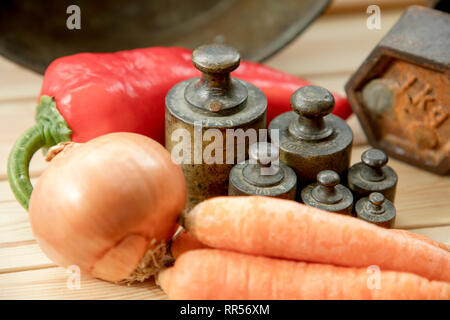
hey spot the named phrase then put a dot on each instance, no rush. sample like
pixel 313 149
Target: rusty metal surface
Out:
pixel 372 175
pixel 377 210
pixel 311 139
pixel 207 178
pixel 278 180
pixel 33 33
pixel 328 194
pixel 401 92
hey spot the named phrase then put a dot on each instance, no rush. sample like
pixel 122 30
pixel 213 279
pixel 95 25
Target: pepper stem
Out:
pixel 49 130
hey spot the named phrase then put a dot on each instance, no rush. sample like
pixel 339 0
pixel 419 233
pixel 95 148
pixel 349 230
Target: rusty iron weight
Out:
pixel 372 175
pixel 310 138
pixel 376 209
pixel 212 101
pixel 328 194
pixel 400 92
pixel 263 177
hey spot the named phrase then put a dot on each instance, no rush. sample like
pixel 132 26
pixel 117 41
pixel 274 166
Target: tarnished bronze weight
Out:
pixel 372 175
pixel 401 91
pixel 328 194
pixel 376 209
pixel 211 120
pixel 310 138
pixel 263 174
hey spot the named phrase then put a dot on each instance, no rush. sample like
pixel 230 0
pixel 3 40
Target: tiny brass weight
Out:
pixel 328 194
pixel 310 138
pixel 372 175
pixel 202 118
pixel 376 209
pixel 263 174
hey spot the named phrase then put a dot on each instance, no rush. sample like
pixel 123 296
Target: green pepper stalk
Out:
pixel 49 130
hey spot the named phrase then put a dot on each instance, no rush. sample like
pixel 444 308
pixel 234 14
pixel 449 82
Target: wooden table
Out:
pixel 327 53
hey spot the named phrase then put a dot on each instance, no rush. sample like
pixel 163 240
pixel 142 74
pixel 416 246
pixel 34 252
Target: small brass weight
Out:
pixel 376 209
pixel 310 138
pixel 266 176
pixel 203 113
pixel 372 175
pixel 328 194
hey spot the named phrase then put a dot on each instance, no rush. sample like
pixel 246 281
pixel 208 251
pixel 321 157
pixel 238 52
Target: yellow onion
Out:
pixel 108 206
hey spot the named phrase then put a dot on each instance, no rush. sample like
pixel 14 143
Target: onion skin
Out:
pixel 102 204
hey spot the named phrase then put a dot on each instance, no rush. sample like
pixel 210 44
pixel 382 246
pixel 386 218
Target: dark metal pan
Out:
pixel 33 33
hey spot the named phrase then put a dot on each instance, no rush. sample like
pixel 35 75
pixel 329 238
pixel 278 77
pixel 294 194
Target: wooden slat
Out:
pixel 23 257
pixel 359 136
pixel 17 82
pixel 5 192
pixel 332 81
pixel 333 44
pixel 51 283
pixel 14 224
pixel 440 234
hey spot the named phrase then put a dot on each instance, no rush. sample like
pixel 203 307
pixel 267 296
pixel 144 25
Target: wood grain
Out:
pixel 23 257
pixel 440 234
pixel 14 224
pixel 17 82
pixel 52 283
pixel 333 44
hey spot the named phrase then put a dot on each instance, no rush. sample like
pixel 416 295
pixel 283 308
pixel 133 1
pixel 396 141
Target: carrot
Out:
pixel 184 241
pixel 218 274
pixel 423 238
pixel 287 229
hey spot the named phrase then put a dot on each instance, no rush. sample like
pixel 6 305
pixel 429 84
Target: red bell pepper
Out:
pixel 90 94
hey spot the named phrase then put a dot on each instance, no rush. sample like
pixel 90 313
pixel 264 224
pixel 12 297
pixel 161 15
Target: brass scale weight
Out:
pixel 215 101
pixel 311 139
pixel 263 174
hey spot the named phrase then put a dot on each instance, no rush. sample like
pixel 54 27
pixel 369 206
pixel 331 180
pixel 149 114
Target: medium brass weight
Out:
pixel 203 116
pixel 310 138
